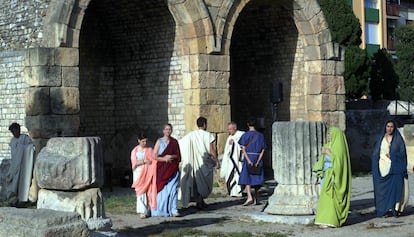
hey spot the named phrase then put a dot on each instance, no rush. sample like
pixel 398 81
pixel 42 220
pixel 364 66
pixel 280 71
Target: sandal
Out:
pixel 142 216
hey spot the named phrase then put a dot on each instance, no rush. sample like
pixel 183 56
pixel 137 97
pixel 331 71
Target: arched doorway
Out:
pixel 125 71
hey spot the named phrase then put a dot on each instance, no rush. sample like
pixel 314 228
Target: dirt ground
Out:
pixel 226 214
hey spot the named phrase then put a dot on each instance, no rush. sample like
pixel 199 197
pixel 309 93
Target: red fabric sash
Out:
pixel 166 170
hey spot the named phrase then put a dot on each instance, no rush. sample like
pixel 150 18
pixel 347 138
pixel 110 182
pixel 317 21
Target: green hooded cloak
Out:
pixel 335 194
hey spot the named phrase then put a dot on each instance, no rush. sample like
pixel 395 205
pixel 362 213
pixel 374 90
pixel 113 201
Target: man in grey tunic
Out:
pixel 20 174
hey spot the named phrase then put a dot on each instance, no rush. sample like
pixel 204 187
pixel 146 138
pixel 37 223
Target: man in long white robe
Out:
pixel 230 164
pixel 20 173
pixel 198 160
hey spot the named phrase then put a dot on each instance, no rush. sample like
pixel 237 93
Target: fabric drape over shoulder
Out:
pixel 196 165
pixel 388 190
pixel 147 181
pixel 230 164
pixel 166 170
pixel 335 195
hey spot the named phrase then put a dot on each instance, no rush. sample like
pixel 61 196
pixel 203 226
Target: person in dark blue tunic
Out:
pixel 389 171
pixel 253 147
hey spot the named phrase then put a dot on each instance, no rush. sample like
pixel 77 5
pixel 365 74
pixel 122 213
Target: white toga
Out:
pixel 196 166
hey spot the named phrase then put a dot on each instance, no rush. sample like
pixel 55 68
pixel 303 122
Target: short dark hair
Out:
pixel 14 126
pixel 251 122
pixel 201 121
pixel 142 136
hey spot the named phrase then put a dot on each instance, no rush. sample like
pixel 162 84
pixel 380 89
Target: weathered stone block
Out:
pixel 64 100
pixel 41 57
pixel 17 222
pixel 219 63
pixel 43 76
pixel 70 163
pixel 318 22
pixel 214 96
pixel 220 116
pixel 328 67
pixel 37 101
pixel 88 203
pixel 68 57
pixel 314 102
pixel 314 84
pixel 312 53
pixel 46 126
pixel 70 76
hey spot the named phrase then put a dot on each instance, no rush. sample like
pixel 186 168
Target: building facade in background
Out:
pixel 378 20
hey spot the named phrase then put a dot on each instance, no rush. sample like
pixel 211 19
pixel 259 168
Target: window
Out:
pixel 371 33
pixel 371 4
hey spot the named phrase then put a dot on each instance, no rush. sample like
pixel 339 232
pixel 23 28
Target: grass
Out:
pixel 124 204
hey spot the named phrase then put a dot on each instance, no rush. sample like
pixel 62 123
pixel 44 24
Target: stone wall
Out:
pixel 115 68
pixel 130 75
pixel 21 23
pixel 12 96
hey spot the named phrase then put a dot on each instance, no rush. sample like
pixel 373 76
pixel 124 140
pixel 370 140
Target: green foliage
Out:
pixel 384 79
pixel 357 64
pixel 346 30
pixel 344 25
pixel 404 37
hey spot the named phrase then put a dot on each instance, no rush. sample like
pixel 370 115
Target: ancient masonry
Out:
pixel 115 68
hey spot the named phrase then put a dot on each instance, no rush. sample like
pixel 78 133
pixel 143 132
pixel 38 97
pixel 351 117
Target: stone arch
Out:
pixel 206 54
pixel 203 48
pixel 138 63
pixel 63 22
pixel 322 60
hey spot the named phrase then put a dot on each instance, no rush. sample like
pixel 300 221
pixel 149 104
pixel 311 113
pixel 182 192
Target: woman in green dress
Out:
pixel 334 171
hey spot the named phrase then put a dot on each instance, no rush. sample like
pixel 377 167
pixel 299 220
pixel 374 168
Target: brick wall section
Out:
pixel 12 96
pixel 21 23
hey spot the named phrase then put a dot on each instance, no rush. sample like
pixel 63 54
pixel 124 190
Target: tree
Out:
pixel 346 30
pixel 384 79
pixel 344 25
pixel 404 38
pixel 357 64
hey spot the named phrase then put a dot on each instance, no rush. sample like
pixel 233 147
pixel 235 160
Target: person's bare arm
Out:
pixel 260 157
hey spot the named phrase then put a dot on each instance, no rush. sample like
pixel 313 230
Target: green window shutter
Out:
pixel 372 48
pixel 371 15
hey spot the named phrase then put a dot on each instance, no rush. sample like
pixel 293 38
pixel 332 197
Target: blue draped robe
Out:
pixel 388 189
